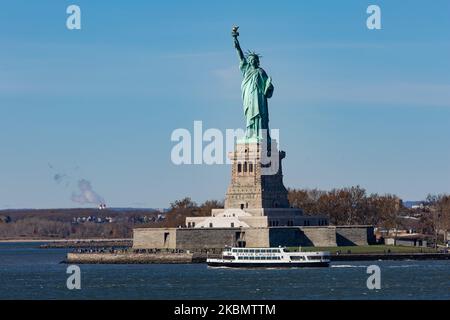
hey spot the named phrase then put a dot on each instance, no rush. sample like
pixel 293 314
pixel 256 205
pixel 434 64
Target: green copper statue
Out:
pixel 256 89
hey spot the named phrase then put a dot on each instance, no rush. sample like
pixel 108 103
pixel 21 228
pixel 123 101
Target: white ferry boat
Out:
pixel 269 258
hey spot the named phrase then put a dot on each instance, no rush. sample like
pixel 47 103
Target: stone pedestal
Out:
pixel 256 196
pixel 256 177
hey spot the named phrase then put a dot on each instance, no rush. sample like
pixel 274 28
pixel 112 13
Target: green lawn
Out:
pixel 367 249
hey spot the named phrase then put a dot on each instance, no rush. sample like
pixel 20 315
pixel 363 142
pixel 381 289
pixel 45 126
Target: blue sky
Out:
pixel 355 107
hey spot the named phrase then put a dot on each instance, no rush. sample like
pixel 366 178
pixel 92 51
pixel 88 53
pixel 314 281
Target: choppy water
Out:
pixel 27 272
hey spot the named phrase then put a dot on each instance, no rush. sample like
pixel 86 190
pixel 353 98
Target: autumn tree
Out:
pixel 439 215
pixel 348 206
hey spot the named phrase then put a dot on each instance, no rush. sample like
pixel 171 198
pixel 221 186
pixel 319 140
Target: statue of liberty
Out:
pixel 256 89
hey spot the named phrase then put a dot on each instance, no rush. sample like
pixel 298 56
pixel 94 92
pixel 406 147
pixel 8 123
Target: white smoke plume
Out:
pixel 86 194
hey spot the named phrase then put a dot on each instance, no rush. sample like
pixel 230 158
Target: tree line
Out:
pixel 61 223
pixel 343 206
pixel 353 205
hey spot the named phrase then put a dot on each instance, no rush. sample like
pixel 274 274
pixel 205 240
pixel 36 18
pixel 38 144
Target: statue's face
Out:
pixel 253 61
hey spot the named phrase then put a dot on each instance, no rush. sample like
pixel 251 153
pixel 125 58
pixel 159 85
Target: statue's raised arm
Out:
pixel 235 35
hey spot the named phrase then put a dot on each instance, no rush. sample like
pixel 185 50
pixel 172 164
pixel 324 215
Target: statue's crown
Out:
pixel 249 54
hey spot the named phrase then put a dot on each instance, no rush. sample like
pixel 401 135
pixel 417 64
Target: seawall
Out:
pixel 133 258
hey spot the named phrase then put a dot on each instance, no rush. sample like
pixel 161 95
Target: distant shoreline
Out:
pixel 61 240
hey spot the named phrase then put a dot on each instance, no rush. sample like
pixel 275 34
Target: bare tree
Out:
pixel 439 209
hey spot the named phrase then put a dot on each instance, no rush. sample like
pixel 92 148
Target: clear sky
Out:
pixel 354 106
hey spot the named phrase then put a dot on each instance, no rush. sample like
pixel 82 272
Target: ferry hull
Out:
pixel 270 265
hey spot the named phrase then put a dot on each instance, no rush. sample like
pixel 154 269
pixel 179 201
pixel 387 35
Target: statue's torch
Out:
pixel 234 32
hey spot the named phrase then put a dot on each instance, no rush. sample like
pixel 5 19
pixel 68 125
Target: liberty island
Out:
pixel 257 212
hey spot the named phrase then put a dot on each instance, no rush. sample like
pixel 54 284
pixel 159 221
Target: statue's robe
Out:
pixel 256 89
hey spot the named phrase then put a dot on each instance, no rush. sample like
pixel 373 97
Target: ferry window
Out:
pixel 297 258
pixel 263 258
pixel 257 258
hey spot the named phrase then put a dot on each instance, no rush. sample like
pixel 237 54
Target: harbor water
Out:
pixel 27 272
